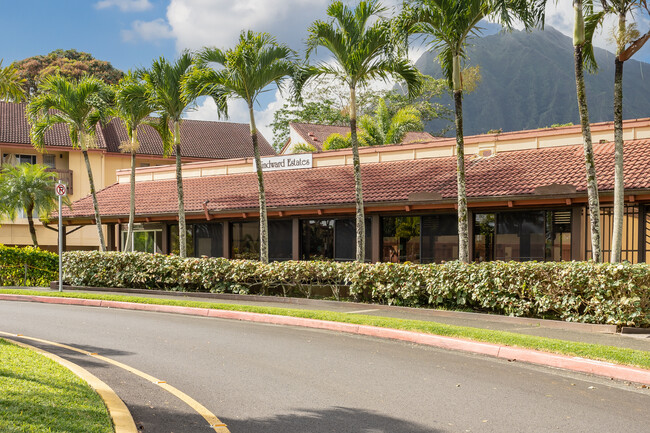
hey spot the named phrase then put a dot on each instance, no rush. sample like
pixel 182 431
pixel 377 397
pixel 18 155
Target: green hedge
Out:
pixel 42 266
pixel 573 291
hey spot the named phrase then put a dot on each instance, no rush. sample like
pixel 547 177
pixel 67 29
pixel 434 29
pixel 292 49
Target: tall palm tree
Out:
pixel 628 42
pixel 78 105
pixel 28 187
pixel 133 108
pixel 449 23
pixel 11 85
pixel 244 71
pixel 163 83
pixel 579 42
pixel 364 49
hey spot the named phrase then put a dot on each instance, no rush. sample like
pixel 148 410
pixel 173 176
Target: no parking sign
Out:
pixel 61 190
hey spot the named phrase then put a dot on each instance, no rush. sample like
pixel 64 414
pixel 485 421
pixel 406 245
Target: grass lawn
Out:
pixel 39 395
pixel 617 355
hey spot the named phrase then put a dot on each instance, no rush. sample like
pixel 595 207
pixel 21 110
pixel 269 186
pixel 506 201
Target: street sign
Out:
pixel 61 190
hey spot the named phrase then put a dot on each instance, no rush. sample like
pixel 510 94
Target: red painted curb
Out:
pixel 599 368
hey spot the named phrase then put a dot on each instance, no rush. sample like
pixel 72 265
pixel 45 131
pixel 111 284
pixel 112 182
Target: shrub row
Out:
pixel 572 291
pixel 42 266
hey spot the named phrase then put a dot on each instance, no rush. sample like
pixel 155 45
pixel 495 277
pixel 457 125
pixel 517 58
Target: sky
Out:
pixel 131 33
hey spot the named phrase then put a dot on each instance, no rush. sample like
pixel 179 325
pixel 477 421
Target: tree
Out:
pixel 67 63
pixel 163 89
pixel 133 108
pixel 450 23
pixel 78 105
pixel 11 84
pixel 579 42
pixel 628 42
pixel 363 48
pixel 27 187
pixel 257 61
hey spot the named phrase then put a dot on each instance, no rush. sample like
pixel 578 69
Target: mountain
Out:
pixel 528 82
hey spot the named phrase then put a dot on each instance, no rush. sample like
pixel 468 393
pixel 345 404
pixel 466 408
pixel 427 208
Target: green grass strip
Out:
pixel 39 395
pixel 617 355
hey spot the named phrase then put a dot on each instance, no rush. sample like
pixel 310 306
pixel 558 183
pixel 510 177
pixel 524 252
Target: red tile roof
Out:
pixel 199 139
pixel 316 134
pixel 506 174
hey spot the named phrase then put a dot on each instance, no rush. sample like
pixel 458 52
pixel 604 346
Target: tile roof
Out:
pixel 316 134
pixel 199 139
pixel 505 174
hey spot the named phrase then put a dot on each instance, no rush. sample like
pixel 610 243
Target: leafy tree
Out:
pixel 67 63
pixel 449 23
pixel 363 48
pixel 78 105
pixel 29 187
pixel 132 107
pixel 579 44
pixel 11 85
pixel 628 41
pixel 257 61
pixel 163 89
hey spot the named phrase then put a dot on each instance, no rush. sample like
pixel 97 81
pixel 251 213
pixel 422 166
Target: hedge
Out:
pixel 42 266
pixel 572 291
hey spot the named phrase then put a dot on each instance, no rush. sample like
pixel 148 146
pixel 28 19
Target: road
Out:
pixel 267 378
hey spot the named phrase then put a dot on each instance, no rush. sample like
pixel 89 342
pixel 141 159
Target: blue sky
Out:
pixel 130 33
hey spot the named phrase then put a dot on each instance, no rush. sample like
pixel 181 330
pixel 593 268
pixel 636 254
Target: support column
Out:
pixel 110 237
pixel 165 238
pixel 295 239
pixel 375 238
pixel 226 240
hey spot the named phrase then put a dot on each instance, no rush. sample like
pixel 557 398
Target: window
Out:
pixel 558 235
pixel 147 241
pixel 400 239
pixel 280 240
pixel 14 159
pixel 49 161
pixel 174 243
pixel 439 238
pixel 631 228
pixel 647 235
pixel 484 225
pixel 245 238
pixel 208 240
pixel 520 236
pixel 317 239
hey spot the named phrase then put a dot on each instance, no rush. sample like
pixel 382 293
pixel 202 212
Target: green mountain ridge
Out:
pixel 528 82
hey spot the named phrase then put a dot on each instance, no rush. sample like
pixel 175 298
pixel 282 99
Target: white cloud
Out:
pixel 149 31
pixel 125 5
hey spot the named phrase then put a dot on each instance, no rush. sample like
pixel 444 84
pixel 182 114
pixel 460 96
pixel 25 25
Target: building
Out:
pixel 201 141
pixel 315 135
pixel 526 192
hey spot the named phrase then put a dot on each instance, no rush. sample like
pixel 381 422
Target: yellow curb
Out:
pixel 215 423
pixel 122 419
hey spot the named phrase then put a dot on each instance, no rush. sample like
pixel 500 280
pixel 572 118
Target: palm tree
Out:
pixel 163 83
pixel 133 108
pixel 29 187
pixel 244 71
pixel 579 42
pixel 79 105
pixel 628 42
pixel 11 85
pixel 450 23
pixel 363 49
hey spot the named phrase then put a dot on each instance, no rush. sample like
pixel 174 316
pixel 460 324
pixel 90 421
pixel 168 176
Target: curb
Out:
pixel 119 413
pixel 583 365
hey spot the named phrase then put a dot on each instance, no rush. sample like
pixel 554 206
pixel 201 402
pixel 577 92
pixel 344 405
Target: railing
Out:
pixel 65 176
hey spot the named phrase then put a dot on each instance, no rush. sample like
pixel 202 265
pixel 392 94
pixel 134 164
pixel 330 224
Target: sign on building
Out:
pixel 285 162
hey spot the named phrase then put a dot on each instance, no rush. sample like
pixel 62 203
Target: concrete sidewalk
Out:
pixel 580 332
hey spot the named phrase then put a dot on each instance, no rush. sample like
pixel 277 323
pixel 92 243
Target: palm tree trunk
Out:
pixel 358 192
pixel 592 185
pixel 463 224
pixel 129 234
pixel 264 223
pixel 98 218
pixel 182 231
pixel 30 220
pixel 619 184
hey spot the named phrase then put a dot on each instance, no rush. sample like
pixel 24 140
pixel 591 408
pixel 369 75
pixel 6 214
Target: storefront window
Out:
pixel 208 240
pixel 317 239
pixel 484 225
pixel 173 239
pixel 558 235
pixel 400 239
pixel 439 238
pixel 630 238
pixel 146 239
pixel 280 240
pixel 520 236
pixel 245 238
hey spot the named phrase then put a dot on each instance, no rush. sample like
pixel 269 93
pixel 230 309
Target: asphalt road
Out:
pixel 274 379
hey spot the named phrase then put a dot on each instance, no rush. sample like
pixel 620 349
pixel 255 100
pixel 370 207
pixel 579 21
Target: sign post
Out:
pixel 61 191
